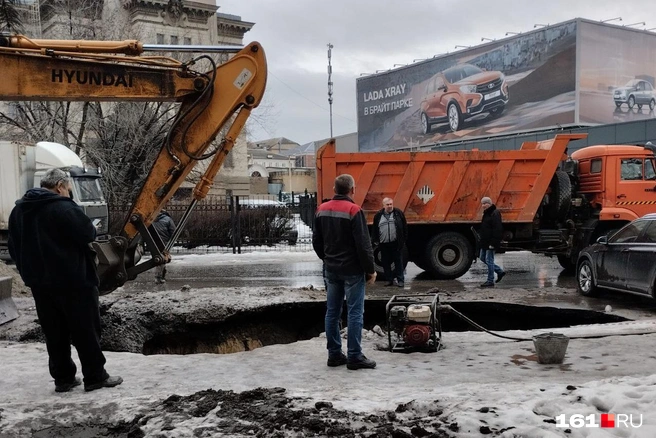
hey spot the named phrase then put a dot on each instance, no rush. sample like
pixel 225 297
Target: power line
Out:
pixel 309 100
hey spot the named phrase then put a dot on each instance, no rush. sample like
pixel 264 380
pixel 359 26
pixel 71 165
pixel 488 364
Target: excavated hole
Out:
pixel 287 323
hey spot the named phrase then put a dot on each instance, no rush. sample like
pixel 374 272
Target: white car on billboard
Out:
pixel 635 92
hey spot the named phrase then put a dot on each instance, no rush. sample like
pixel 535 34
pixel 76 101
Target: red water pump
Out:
pixel 413 323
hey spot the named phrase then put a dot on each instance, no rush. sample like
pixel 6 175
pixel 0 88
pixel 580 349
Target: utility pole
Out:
pixel 330 88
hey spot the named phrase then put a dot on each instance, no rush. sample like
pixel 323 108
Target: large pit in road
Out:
pixel 155 332
pixel 227 322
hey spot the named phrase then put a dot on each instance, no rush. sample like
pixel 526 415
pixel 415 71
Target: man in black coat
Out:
pixel 390 232
pixel 49 238
pixel 491 233
pixel 165 227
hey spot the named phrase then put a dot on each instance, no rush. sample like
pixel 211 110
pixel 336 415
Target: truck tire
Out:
pixel 560 198
pixel 449 255
pixel 378 262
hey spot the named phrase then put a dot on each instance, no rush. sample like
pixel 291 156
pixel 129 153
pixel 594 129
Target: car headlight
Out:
pixel 468 88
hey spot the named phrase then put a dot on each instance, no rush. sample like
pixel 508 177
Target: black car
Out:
pixel 625 261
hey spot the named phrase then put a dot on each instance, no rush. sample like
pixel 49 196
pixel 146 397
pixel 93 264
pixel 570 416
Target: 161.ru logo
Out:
pixel 599 420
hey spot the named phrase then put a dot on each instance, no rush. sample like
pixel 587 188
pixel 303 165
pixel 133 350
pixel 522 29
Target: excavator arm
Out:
pixel 210 101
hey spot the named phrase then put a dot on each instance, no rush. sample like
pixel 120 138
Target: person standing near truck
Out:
pixel 165 227
pixel 491 233
pixel 340 238
pixel 49 238
pixel 390 231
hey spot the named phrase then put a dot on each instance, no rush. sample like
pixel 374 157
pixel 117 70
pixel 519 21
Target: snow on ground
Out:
pixel 486 385
pixel 477 381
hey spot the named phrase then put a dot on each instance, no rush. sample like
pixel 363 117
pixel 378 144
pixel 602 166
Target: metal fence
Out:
pixel 238 224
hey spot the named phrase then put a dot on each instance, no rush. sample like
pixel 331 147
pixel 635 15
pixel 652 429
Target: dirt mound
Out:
pixel 264 412
pixel 18 288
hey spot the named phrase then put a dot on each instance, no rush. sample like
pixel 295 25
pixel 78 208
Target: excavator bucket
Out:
pixel 8 310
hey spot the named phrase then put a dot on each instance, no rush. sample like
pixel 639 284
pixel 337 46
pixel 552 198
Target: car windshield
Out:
pixel 459 73
pixel 632 83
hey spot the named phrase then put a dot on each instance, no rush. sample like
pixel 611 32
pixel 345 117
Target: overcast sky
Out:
pixel 370 35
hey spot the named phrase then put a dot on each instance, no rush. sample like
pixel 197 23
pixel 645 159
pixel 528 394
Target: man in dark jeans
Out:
pixel 340 238
pixel 49 238
pixel 390 231
pixel 491 233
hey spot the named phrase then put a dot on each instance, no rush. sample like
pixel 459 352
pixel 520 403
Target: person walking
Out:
pixel 491 233
pixel 390 232
pixel 165 227
pixel 340 238
pixel 49 238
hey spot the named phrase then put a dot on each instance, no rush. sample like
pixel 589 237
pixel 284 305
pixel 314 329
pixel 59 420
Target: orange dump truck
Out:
pixel 551 203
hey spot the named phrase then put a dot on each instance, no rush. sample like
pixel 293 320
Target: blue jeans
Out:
pixel 487 256
pixel 338 287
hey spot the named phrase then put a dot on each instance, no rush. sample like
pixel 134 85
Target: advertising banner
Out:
pixel 617 72
pixel 517 84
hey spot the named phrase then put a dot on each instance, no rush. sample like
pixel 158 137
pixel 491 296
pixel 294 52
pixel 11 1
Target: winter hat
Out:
pixel 486 200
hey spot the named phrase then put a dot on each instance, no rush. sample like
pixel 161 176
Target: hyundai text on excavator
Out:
pixel 223 97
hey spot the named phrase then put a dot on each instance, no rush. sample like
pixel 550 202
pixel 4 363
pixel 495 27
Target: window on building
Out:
pixel 160 38
pixel 174 40
pixel 187 41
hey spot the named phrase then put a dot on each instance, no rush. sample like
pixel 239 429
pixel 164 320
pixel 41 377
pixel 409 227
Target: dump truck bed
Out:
pixel 446 187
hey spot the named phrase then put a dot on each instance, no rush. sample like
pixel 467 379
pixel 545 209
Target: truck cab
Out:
pixel 618 181
pixel 23 166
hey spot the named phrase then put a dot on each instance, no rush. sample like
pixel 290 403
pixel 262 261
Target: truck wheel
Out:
pixel 378 262
pixel 449 255
pixel 560 198
pixel 585 279
pixel 567 263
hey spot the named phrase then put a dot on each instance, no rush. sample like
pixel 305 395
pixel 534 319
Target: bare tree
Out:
pixel 125 139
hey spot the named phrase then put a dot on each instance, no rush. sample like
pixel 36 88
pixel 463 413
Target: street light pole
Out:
pixel 330 88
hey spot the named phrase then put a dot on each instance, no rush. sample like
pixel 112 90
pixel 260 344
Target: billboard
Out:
pixel 520 83
pixel 617 72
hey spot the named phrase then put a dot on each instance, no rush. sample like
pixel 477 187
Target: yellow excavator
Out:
pixel 223 97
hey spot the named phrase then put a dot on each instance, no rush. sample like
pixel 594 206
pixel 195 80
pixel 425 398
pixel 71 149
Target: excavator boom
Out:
pixel 223 97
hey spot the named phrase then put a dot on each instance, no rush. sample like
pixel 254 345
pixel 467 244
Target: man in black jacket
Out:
pixel 340 238
pixel 165 227
pixel 390 231
pixel 491 233
pixel 49 238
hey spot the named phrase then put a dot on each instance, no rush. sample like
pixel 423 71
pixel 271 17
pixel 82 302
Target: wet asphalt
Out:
pixel 531 279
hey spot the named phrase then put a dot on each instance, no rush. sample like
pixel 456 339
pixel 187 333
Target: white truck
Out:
pixel 22 166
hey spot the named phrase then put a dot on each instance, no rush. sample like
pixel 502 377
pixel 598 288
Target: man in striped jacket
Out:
pixel 341 239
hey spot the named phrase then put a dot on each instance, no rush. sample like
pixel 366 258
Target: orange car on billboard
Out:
pixel 460 92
